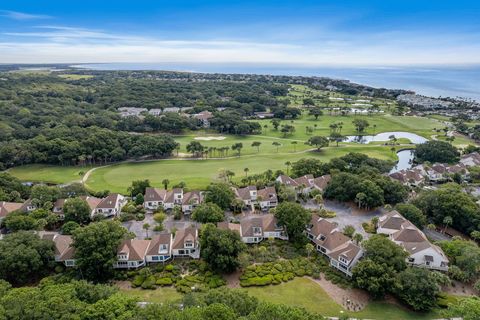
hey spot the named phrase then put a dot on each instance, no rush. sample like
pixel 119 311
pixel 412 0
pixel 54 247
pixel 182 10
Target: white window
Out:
pixel 257 230
pixel 163 248
pixel 188 244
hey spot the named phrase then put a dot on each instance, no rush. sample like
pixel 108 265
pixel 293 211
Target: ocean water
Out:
pixel 451 81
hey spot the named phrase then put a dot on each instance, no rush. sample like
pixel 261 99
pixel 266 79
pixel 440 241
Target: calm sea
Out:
pixel 451 81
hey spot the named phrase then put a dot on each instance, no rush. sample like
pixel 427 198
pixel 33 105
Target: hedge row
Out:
pixel 278 272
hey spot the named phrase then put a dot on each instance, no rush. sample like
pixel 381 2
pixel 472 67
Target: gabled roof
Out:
pixel 267 222
pixel 7 207
pixel 62 245
pixel 348 251
pixel 334 240
pixel 230 226
pixel 286 180
pixel 244 193
pixel 163 238
pixel 155 194
pixel 191 196
pixel 304 180
pixel 134 248
pixel 410 234
pixel 92 202
pixel 267 194
pixel 110 202
pixel 204 115
pixel 321 226
pixel 322 182
pixel 183 235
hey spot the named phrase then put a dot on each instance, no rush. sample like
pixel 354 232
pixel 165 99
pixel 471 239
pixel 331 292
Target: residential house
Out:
pixel 321 183
pixel 8 207
pixel 58 208
pixel 256 228
pixel 186 243
pixel 264 115
pixel 409 177
pixel 155 112
pixel 267 198
pixel 111 205
pixel 302 185
pixel 341 251
pixel 421 252
pixel 190 200
pixel 471 159
pixel 131 111
pixel 154 198
pixel 131 254
pixel 60 203
pixel 160 249
pixel 248 195
pixel 63 248
pixel 204 117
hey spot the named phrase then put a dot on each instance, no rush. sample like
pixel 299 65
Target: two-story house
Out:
pixel 110 206
pixel 256 228
pixel 131 254
pixel 190 200
pixel 8 207
pixel 421 252
pixel 63 249
pixel 160 249
pixel 342 253
pixel 186 244
pixel 267 198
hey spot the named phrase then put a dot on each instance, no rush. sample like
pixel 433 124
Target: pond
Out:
pixel 385 136
pixel 405 160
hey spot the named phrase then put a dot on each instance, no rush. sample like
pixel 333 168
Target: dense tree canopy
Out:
pixel 77 210
pixel 412 213
pixel 96 248
pixel 208 212
pixel 294 217
pixel 436 151
pixel 220 248
pixel 221 194
pixel 24 256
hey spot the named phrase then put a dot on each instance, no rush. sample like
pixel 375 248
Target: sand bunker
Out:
pixel 209 138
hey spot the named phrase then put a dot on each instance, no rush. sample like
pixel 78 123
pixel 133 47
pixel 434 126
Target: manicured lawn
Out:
pixel 305 293
pixel 199 173
pixel 300 292
pixel 160 295
pixel 48 174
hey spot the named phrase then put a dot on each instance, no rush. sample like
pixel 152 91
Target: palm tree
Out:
pixel 309 248
pixel 165 183
pixel 447 221
pixel 288 164
pixel 294 144
pixel 374 128
pixel 246 171
pixel 276 144
pixel 357 237
pixel 146 226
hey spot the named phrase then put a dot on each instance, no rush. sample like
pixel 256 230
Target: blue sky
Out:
pixel 277 32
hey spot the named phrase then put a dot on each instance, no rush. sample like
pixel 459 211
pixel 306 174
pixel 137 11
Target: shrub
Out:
pixel 140 217
pixel 164 282
pixel 149 282
pixel 138 280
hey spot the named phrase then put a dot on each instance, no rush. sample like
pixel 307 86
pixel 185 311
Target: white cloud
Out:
pixel 50 44
pixel 15 15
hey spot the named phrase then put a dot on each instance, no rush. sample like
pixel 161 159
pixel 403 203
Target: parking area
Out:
pixel 137 226
pixel 348 214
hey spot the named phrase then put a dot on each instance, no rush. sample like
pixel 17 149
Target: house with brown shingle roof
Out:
pixel 230 226
pixel 303 184
pixel 342 253
pixel 256 228
pixel 131 254
pixel 111 205
pixel 265 198
pixel 64 250
pixel 9 207
pixel 190 200
pixel 186 243
pixel 471 159
pixel 421 252
pixel 160 249
pixel 154 198
pixel 321 183
pixel 204 117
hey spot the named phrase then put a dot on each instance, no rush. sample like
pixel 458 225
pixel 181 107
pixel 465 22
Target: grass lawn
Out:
pixel 305 293
pixel 46 173
pixel 160 295
pixel 197 174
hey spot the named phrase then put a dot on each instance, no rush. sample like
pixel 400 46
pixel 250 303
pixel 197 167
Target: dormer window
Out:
pixel 188 244
pixel 343 259
pixel 163 248
pixel 322 237
pixel 123 256
pixel 257 230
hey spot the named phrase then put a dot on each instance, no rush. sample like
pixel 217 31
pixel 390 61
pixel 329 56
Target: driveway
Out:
pixel 348 214
pixel 137 226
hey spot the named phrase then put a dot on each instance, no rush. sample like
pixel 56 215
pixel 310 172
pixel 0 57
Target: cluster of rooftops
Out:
pixel 438 172
pixel 341 251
